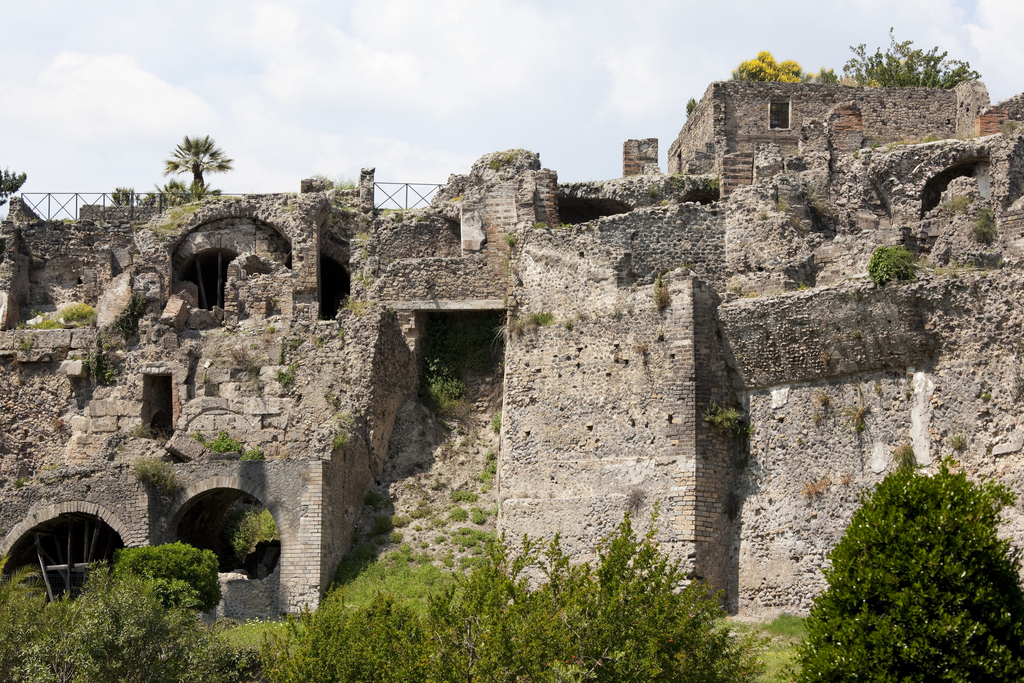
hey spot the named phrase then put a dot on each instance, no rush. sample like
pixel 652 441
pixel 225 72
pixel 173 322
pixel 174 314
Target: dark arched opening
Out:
pixel 931 194
pixel 208 270
pixel 236 527
pixel 62 549
pixel 573 210
pixel 335 286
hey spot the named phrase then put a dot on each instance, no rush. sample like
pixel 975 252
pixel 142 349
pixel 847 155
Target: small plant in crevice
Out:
pixel 857 416
pixel 903 457
pixel 286 378
pixel 252 455
pixel 222 444
pixel 541 318
pixel 727 420
pixel 98 367
pixel 158 474
pixel 822 399
pixel 816 488
pixel 127 321
pixel 984 228
pixel 660 294
pixel 496 422
pixel 635 498
pixel 958 442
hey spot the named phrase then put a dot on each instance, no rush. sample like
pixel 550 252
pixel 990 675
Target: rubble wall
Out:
pixel 925 364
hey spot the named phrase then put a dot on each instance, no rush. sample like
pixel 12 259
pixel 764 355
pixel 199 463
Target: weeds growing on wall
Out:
pixel 98 367
pixel 222 444
pixel 79 315
pixel 984 228
pixel 127 321
pixel 158 474
pixel 891 262
pixel 727 420
pixel 660 294
pixel 903 457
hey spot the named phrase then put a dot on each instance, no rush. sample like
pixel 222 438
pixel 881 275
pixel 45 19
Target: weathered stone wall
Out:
pixel 925 361
pixel 701 143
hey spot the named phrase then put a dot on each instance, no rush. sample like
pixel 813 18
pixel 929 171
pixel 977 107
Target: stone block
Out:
pixel 73 368
pixel 175 313
pixel 113 300
pixel 185 449
pixel 1013 444
pixel 103 424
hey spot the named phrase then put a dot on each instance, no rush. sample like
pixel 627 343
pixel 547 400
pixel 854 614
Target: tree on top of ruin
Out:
pixel 904 67
pixel 9 184
pixel 198 155
pixel 765 68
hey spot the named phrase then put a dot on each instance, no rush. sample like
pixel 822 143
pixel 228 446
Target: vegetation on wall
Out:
pixel 10 183
pixel 182 576
pixel 902 66
pixel 891 262
pixel 246 527
pixel 921 587
pixel 450 347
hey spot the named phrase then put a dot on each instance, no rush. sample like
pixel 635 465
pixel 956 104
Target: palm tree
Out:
pixel 198 155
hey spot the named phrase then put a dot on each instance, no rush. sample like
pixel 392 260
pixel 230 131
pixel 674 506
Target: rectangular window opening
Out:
pixel 778 115
pixel 158 405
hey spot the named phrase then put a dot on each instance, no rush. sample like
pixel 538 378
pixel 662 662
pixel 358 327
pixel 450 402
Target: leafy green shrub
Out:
pixel 458 514
pixel 286 378
pixel 400 521
pixel 891 262
pixel 726 420
pixel 395 537
pixel 541 318
pixel 496 422
pixel 490 468
pixel 251 456
pixel 243 529
pixel 478 516
pixel 463 497
pixel 385 641
pixel 172 564
pixel 984 228
pixel 958 442
pixel 158 474
pixel 79 315
pixel 339 441
pixel 920 588
pixel 223 444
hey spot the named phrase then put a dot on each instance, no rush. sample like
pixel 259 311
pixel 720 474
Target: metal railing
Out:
pixel 55 206
pixel 399 195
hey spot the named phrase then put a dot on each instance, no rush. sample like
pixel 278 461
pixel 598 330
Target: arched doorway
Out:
pixel 63 547
pixel 931 193
pixel 208 270
pixel 236 526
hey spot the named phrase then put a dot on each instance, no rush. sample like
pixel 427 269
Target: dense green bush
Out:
pixel 920 588
pixel 183 576
pixel 631 617
pixel 158 474
pixel 891 262
pixel 118 629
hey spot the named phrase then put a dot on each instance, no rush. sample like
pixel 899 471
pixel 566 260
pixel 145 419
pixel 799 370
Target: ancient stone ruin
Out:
pixel 703 343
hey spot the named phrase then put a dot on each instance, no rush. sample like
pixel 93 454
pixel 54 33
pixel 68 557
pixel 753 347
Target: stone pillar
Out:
pixel 366 190
pixel 640 157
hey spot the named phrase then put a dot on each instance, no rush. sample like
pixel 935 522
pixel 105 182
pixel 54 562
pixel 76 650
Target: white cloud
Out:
pixel 89 98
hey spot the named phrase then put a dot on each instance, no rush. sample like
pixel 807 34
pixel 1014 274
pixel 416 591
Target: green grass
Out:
pixel 781 637
pixel 250 635
pixel 362 574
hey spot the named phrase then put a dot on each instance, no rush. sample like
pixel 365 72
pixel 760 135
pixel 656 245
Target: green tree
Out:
pixel 9 184
pixel 20 602
pixel 765 68
pixel 182 575
pixel 920 588
pixel 690 106
pixel 198 156
pixel 902 66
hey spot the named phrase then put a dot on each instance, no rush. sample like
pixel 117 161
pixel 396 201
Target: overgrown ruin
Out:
pixel 639 311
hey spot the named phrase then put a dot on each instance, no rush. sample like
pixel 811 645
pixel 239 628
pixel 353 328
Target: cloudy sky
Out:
pixel 94 95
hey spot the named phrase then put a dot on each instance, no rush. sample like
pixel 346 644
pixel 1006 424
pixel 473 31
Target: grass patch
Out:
pixel 463 497
pixel 458 514
pixel 984 228
pixel 158 474
pixel 250 635
pixel 780 639
pixel 362 575
pixel 79 315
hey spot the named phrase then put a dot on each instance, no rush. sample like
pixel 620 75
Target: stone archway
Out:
pixel 62 541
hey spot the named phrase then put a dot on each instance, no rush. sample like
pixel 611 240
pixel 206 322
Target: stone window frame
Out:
pixel 772 109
